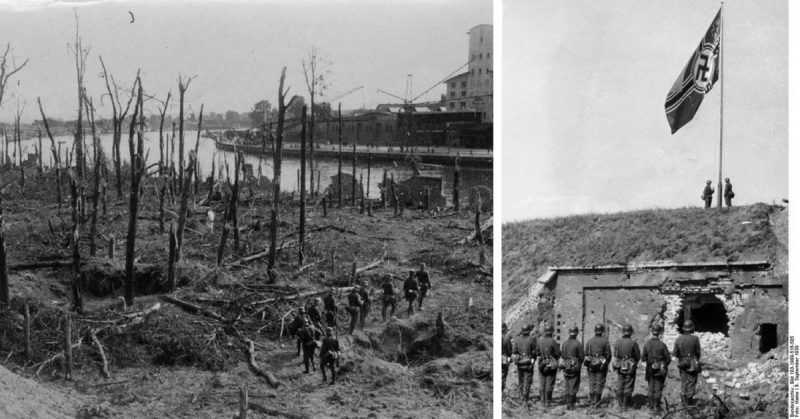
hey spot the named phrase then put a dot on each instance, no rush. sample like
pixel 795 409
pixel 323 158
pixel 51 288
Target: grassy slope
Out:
pixel 683 235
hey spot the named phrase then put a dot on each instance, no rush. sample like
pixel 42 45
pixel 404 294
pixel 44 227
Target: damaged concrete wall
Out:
pixel 755 307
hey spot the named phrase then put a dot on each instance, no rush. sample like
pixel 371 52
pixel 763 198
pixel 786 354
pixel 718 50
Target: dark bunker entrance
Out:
pixel 706 311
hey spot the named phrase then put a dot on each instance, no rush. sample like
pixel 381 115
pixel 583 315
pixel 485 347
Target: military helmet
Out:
pixel 599 328
pixel 526 329
pixel 708 182
pixel 548 330
pixel 505 327
pixel 627 330
pixel 657 329
pixel 573 331
pixel 727 179
pixel 688 326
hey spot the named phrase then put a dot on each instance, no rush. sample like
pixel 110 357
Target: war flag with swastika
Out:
pixel 696 79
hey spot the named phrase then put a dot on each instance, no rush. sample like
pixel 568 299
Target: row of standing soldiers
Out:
pixel 309 320
pixel 596 356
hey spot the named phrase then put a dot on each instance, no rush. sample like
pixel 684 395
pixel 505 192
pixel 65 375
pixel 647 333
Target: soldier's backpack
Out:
pixel 524 360
pixel 658 368
pixel 594 363
pixel 572 367
pixel 694 366
pixel 548 364
pixel 624 366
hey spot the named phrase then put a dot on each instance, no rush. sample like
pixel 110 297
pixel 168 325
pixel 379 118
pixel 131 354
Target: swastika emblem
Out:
pixel 703 68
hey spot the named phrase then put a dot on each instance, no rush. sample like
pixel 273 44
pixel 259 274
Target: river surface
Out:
pixel 327 167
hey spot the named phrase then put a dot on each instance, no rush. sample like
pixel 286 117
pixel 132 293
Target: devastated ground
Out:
pixel 168 361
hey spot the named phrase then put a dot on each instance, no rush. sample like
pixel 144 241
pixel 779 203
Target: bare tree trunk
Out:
pixel 185 192
pixel 181 91
pixel 353 197
pixel 67 346
pixel 339 174
pixel 273 240
pixel 196 148
pixel 456 186
pixel 75 191
pixel 302 238
pixel 137 169
pixel 161 149
pixel 98 159
pixel 369 172
pixel 234 211
pixel 173 244
pixel 41 166
pixel 385 188
pixel 5 299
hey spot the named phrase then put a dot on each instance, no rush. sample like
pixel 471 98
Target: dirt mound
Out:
pixel 24 398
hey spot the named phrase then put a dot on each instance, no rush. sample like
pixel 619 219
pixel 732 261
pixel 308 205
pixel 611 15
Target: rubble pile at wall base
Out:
pixel 769 371
pixel 715 345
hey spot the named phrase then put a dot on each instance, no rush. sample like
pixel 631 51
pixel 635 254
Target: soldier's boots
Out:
pixel 571 402
pixel 621 402
pixel 548 399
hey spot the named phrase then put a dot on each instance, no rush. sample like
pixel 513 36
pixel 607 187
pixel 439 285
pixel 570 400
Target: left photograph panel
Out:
pixel 248 209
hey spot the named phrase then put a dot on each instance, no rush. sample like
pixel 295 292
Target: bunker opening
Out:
pixel 707 313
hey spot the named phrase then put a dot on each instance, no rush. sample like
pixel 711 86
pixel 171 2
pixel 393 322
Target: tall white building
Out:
pixel 472 90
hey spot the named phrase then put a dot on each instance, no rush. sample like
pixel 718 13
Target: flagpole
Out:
pixel 721 101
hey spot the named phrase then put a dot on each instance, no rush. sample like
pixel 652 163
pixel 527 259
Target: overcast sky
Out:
pixel 237 48
pixel 583 105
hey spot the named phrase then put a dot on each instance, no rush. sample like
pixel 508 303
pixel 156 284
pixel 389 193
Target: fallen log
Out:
pixel 292 297
pixel 194 309
pixel 96 343
pixel 251 360
pixel 372 265
pixel 472 236
pixel 260 255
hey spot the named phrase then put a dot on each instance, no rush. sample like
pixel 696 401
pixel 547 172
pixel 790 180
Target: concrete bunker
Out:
pixel 739 308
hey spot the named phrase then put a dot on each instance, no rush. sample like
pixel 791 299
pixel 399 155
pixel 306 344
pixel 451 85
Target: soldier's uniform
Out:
pixel 297 325
pixel 424 280
pixel 708 193
pixel 525 351
pixel 314 314
pixel 626 349
pixel 656 357
pixel 506 350
pixel 572 353
pixel 331 310
pixel 365 303
pixel 687 346
pixel 411 289
pixel 599 352
pixel 389 298
pixel 329 355
pixel 308 338
pixel 728 192
pixel 549 354
pixel 353 308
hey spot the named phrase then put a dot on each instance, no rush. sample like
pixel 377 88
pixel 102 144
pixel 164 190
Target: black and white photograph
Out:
pixel 645 201
pixel 247 209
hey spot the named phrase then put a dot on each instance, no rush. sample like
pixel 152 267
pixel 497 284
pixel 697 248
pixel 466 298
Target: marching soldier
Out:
pixel 626 350
pixel 329 355
pixel 331 310
pixel 728 192
pixel 524 353
pixel 314 313
pixel 364 292
pixel 572 352
pixel 687 350
pixel 548 365
pixel 411 288
pixel 353 307
pixel 389 298
pixel 297 325
pixel 424 280
pixel 506 350
pixel 708 192
pixel 308 338
pixel 656 357
pixel 598 356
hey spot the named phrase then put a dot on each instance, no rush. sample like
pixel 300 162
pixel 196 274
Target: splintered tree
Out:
pixel 182 87
pixel 8 68
pixel 98 162
pixel 117 117
pixel 56 154
pixel 276 187
pixel 80 68
pixel 302 238
pixel 315 82
pixel 137 170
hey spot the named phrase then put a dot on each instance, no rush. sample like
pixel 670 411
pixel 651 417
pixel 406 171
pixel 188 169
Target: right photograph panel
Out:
pixel 645 208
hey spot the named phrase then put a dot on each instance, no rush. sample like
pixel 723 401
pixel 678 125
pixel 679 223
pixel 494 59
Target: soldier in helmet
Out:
pixel 424 280
pixel 708 193
pixel 314 313
pixel 506 351
pixel 687 350
pixel 656 357
pixel 524 353
pixel 364 292
pixel 411 289
pixel 329 355
pixel 728 192
pixel 389 298
pixel 548 365
pixel 626 350
pixel 297 325
pixel 331 310
pixel 308 338
pixel 572 353
pixel 353 307
pixel 598 356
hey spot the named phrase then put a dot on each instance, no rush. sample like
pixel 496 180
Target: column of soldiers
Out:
pixel 596 356
pixel 307 324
